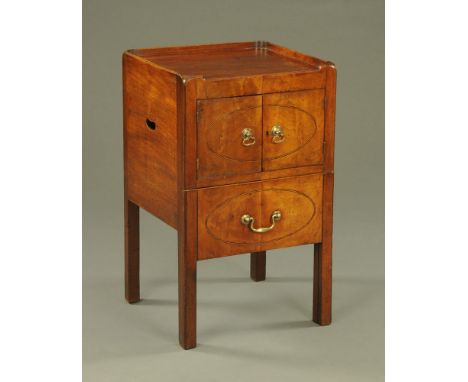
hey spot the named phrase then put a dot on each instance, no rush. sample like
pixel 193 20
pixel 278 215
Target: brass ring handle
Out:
pixel 248 139
pixel 249 220
pixel 277 133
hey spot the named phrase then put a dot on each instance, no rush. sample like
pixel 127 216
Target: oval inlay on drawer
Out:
pixel 223 136
pixel 224 221
pixel 299 127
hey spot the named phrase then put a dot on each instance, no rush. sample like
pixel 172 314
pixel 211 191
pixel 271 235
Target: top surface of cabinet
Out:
pixel 230 60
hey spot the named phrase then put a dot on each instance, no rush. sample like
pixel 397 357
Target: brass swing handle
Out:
pixel 249 220
pixel 248 138
pixel 277 133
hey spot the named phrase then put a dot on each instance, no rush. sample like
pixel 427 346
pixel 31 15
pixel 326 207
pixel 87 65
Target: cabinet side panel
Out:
pixel 150 135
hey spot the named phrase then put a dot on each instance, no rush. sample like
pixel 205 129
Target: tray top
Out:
pixel 230 60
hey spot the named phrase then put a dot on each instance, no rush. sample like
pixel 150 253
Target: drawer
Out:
pixel 259 216
pixel 246 135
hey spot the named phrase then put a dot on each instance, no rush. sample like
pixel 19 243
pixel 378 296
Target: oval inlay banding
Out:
pixel 299 127
pixel 224 221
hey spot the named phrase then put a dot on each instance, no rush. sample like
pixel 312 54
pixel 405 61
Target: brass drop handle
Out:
pixel 277 133
pixel 248 138
pixel 249 220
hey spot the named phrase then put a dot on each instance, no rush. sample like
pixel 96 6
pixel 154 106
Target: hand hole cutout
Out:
pixel 151 124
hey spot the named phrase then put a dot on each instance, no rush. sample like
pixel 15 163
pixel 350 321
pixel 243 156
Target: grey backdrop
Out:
pixel 246 330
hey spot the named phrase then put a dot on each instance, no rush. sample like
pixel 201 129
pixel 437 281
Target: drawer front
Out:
pixel 293 125
pixel 229 136
pixel 259 216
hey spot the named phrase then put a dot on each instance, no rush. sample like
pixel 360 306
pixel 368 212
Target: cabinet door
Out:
pixel 293 124
pixel 229 136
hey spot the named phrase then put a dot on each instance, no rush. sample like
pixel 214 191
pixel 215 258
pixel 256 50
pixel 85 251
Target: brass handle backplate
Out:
pixel 249 220
pixel 248 138
pixel 277 133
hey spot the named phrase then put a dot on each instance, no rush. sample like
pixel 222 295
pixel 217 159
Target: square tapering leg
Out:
pixel 322 303
pixel 258 266
pixel 322 284
pixel 187 240
pixel 132 252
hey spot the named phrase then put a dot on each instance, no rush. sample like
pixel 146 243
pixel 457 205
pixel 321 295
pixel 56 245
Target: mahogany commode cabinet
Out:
pixel 232 145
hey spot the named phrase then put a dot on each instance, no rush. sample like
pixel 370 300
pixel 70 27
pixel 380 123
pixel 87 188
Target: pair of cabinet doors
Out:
pixel 251 134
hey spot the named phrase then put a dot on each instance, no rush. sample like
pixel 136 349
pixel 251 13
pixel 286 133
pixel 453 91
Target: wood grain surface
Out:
pixel 301 116
pixel 150 154
pixel 221 233
pixel 238 61
pixel 221 151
